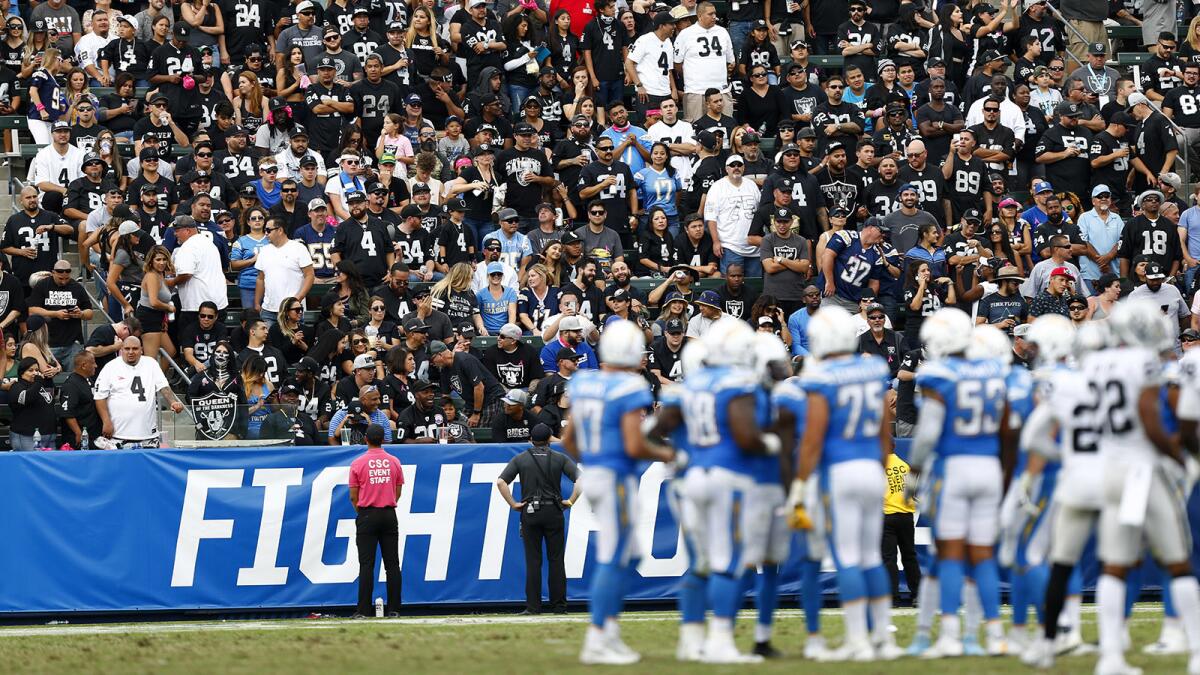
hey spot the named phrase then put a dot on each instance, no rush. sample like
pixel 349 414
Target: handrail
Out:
pixel 163 353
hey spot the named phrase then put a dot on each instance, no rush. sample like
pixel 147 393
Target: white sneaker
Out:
pixel 1019 639
pixel 604 655
pixel 691 642
pixel 618 646
pixel 1194 665
pixel 1039 654
pixel 1115 666
pixel 815 649
pixel 1170 641
pixel 997 646
pixel 944 648
pixel 887 650
pixel 720 648
pixel 852 651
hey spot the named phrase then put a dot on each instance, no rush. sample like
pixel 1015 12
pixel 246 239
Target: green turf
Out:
pixel 340 646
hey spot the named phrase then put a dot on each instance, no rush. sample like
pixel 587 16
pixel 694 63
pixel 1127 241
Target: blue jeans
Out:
pixel 609 91
pixel 269 317
pixel 247 297
pixel 482 228
pixel 738 32
pixel 20 442
pixel 752 265
pixel 517 94
pixel 66 355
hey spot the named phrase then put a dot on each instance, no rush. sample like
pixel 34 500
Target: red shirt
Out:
pixel 376 474
pixel 581 11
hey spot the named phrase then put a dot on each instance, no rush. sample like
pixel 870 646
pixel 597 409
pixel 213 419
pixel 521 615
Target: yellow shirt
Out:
pixel 893 499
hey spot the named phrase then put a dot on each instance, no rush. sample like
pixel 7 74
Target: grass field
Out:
pixel 462 644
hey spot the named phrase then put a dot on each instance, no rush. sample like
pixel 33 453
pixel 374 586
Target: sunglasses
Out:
pixel 254 58
pixel 360 341
pixel 258 218
pixel 1188 339
pixel 840 87
pixel 597 213
pixel 269 169
pixel 350 162
pixel 332 38
pixel 876 317
pixel 378 308
pixel 269 230
pixel 66 271
pixel 758 74
pixel 1103 195
pixel 208 316
pixel 735 164
pixel 994 110
pixel 204 154
pixel 85 108
pixel 14 26
pixel 295 308
pixel 287 190
pixel 608 148
pixel 307 13
pixel 1058 69
pixel 1150 198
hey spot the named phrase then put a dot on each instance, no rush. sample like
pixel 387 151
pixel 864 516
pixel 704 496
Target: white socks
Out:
pixel 1110 596
pixel 928 598
pixel 762 633
pixel 950 628
pixel 856 621
pixel 881 618
pixel 1185 591
pixel 972 610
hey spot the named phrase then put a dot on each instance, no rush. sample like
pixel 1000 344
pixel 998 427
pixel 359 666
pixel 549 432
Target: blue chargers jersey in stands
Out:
pixel 706 415
pixel 854 387
pixel 853 267
pixel 975 396
pixel 599 399
pixel 789 395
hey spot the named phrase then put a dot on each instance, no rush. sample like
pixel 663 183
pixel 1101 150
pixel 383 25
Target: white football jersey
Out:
pixel 132 395
pixel 654 59
pixel 680 132
pixel 1073 405
pixel 1117 377
pixel 1188 406
pixel 705 55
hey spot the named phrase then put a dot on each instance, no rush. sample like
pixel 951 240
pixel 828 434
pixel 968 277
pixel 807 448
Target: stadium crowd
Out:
pixel 427 213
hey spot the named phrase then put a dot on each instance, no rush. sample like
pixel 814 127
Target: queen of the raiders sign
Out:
pixel 214 414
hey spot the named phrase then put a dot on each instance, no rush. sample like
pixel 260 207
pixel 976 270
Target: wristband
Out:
pixel 40 107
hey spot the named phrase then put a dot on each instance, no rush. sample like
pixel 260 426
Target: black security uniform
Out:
pixel 541 470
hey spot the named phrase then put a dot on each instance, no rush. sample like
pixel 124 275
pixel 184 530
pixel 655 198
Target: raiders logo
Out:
pixel 734 308
pixel 215 414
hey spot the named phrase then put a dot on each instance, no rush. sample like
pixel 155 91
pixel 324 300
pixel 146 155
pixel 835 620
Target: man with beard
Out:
pixel 609 182
pixel 86 194
pixel 478 38
pixel 363 240
pixel 292 159
pixel 964 173
pixel 575 152
pixel 962 246
pixel 905 222
pixel 797 323
pixel 1155 145
pixel 714 119
pixel 293 213
pixel 895 133
pixel 516 364
pixel 802 218
pixel 996 144
pixel 314 398
pixel 419 422
pixel 622 278
pixel 882 196
pixel 1182 105
pixel 839 187
pixel 1150 236
pixel 414 245
pixel 394 291
pixel 709 168
pixel 373 97
pixel 787 259
pixel 526 173
pixel 464 374
pixel 859 40
pixel 198 340
pixel 938 122
pixel 1163 70
pixel 836 120
pixel 1109 158
pixel 791 175
pixel 360 40
pixel 550 99
pixel 1063 150
pixel 798 101
pixel 32 237
pixel 330 103
pixel 1165 296
pixel 583 286
pixel 736 297
pixel 927 180
pixel 570 335
pixel 1056 223
pixel 849 264
pixel 237 161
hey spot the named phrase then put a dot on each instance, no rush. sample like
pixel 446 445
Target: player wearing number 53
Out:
pixel 125 396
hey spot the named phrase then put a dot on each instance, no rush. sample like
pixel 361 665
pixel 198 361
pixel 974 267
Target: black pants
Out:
pixel 899 533
pixel 376 529
pixel 547 525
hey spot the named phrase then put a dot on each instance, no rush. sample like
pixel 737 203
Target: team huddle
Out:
pixel 1013 468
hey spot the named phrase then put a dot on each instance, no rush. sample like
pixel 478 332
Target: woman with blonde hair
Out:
pixel 15 36
pixel 154 306
pixel 47 100
pixel 453 296
pixel 1189 50
pixel 423 44
pixel 287 333
pixel 249 105
pixel 36 345
pixel 34 47
pixel 539 300
pixel 257 389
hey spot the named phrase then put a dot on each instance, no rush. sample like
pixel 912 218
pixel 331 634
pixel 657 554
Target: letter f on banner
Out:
pixel 192 525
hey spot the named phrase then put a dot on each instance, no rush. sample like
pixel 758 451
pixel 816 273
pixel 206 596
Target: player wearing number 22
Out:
pixel 845 440
pixel 963 416
pixel 604 432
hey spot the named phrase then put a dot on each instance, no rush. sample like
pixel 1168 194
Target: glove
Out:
pixel 1191 469
pixel 772 444
pixel 912 485
pixel 1026 488
pixel 680 463
pixel 797 514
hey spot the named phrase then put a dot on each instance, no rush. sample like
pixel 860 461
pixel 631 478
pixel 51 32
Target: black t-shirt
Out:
pixel 522 195
pixel 277 365
pixel 906 405
pixel 21 232
pixel 49 295
pixel 415 248
pixel 462 376
pixel 325 129
pixel 246 23
pixel 1111 174
pixel 75 401
pixel 603 39
pixel 738 304
pixel 372 102
pixel 366 245
pixel 508 430
pixel 615 197
pixel 317 402
pixel 1069 174
pixel 412 422
pixel 515 370
pixel 667 362
pixel 968 182
pixel 1000 138
pixel 479 202
pixel 33 407
pixel 459 241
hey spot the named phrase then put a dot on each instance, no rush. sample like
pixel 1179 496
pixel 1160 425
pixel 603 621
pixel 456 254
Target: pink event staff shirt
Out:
pixel 376 475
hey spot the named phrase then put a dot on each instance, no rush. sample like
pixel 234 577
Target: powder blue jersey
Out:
pixel 974 393
pixel 599 399
pixel 657 188
pixel 706 415
pixel 1025 390
pixel 854 386
pixel 790 396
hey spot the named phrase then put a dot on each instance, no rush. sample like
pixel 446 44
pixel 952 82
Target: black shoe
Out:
pixel 393 615
pixel 765 650
pixel 357 615
pixel 529 612
pixel 560 610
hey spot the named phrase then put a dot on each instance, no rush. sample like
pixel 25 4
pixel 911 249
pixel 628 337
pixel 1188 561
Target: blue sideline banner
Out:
pixel 274 528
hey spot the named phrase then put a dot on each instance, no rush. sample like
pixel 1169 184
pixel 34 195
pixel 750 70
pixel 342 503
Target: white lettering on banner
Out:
pixel 495 531
pixel 312 563
pixel 192 525
pixel 439 524
pixel 265 572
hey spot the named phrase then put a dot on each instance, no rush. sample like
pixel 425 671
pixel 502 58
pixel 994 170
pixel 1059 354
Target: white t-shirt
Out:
pixel 282 268
pixel 732 207
pixel 50 167
pixel 705 55
pixel 199 257
pixel 1169 299
pixel 87 50
pixel 681 132
pixel 653 58
pixel 132 395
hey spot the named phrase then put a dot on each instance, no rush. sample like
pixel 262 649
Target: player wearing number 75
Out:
pixel 125 395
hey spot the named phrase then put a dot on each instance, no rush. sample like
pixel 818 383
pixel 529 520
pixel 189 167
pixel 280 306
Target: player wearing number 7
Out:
pixel 962 419
pixel 846 436
pixel 125 395
pixel 604 432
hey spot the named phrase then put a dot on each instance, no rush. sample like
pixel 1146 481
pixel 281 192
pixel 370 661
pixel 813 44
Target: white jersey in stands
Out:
pixel 132 395
pixel 705 55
